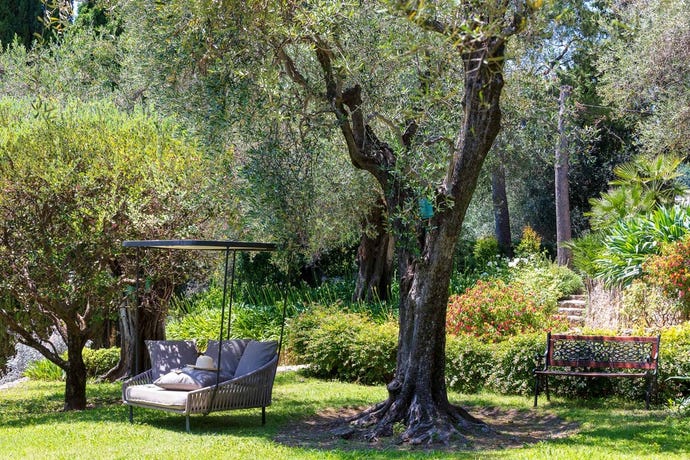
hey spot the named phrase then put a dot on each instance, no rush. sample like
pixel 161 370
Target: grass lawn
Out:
pixel 32 426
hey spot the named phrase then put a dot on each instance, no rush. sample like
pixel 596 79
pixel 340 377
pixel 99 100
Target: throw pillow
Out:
pixel 167 355
pixel 230 355
pixel 255 355
pixel 186 379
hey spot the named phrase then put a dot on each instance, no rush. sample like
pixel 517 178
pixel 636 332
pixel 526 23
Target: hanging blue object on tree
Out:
pixel 426 209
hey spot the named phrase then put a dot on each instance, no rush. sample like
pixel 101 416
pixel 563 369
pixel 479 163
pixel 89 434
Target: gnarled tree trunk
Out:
pixel 418 394
pixel 375 257
pixel 75 373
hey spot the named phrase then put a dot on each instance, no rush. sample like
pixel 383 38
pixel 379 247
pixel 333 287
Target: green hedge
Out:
pixel 97 363
pixel 345 346
pixel 352 347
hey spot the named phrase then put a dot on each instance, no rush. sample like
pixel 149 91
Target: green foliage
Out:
pixel 586 251
pixel 20 18
pixel 97 362
pixel 513 362
pixel 469 362
pixel 486 250
pixel 43 369
pixel 670 271
pixel 640 187
pixel 629 243
pixel 77 180
pixel 646 306
pixel 201 324
pixel 259 322
pixel 546 281
pixel 345 346
pixel 657 33
pixel 100 361
pixel 530 243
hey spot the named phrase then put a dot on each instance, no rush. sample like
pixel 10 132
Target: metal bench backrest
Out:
pixel 595 351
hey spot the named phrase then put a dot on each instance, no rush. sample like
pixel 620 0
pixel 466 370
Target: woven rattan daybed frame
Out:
pixel 250 390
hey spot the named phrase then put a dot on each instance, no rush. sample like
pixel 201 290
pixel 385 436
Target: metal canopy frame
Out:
pixel 205 245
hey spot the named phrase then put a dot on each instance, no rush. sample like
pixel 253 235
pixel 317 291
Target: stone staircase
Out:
pixel 574 308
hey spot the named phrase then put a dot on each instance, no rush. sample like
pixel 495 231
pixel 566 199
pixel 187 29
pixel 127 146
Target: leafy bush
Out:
pixel 352 347
pixel 674 361
pixel 345 346
pixel 44 370
pixel 494 310
pixel 671 272
pixel 100 361
pixel 545 281
pixel 201 325
pixel 513 364
pixel 631 242
pixel 97 363
pixel 199 316
pixel 469 362
pixel 486 250
pixel 646 306
pixel 530 243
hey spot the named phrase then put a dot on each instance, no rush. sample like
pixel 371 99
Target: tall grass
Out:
pixel 257 311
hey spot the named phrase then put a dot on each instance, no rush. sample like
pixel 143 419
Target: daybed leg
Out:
pixel 263 415
pixel 131 414
pixel 187 423
pixel 536 389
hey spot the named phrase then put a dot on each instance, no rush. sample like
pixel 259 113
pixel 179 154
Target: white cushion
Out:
pixel 153 395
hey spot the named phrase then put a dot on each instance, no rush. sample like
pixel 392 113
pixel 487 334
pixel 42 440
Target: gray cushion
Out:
pixel 230 355
pixel 167 355
pixel 186 379
pixel 255 355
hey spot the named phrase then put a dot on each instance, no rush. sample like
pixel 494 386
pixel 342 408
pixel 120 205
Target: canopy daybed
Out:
pixel 231 374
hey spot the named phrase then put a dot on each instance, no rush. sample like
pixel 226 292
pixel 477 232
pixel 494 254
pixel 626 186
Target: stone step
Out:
pixel 573 303
pixel 576 319
pixel 578 297
pixel 572 311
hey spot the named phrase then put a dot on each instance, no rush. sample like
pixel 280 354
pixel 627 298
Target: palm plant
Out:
pixel 641 186
pixel 630 242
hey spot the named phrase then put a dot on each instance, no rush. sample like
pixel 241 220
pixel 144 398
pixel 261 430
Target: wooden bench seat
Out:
pixel 598 356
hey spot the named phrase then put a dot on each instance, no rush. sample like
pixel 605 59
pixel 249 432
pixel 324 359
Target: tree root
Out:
pixel 424 424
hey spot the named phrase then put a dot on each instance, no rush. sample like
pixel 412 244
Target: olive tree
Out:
pixel 76 181
pixel 449 56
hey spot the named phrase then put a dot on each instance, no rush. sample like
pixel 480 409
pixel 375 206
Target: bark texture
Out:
pixel 75 374
pixel 375 257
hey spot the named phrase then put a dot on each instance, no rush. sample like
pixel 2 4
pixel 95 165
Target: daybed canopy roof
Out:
pixel 217 245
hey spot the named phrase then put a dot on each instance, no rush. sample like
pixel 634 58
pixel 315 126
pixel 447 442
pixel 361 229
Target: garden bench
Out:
pixel 598 356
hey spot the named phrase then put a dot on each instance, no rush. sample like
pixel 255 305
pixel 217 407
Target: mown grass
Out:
pixel 33 426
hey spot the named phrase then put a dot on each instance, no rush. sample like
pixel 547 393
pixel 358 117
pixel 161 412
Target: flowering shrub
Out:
pixel 671 272
pixel 494 310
